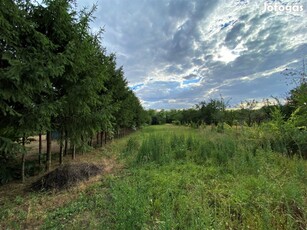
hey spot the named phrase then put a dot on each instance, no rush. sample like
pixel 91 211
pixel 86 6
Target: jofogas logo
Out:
pixel 279 7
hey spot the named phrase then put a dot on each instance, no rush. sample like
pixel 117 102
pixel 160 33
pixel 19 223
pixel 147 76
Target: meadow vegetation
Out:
pixel 176 177
pixel 206 167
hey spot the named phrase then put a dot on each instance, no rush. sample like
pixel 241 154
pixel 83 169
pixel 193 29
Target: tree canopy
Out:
pixel 55 75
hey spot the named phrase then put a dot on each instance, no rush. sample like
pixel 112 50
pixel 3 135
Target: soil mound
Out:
pixel 66 176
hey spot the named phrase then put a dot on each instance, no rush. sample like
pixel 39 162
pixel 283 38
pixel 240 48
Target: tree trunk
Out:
pixel 101 138
pixel 40 149
pixel 23 160
pixel 65 144
pixel 97 139
pixel 73 155
pixel 61 149
pixel 105 137
pixel 48 160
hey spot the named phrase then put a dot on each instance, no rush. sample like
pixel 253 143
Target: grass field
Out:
pixel 172 177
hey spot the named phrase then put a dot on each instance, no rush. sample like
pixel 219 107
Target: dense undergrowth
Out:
pixel 183 178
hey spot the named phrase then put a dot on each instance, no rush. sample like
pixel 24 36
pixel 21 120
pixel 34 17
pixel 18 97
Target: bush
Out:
pixel 176 122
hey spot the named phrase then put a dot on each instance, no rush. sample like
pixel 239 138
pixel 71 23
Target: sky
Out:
pixel 177 53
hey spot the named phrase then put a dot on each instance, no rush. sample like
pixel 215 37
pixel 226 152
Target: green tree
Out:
pixel 56 76
pixel 212 112
pixel 297 99
pixel 25 71
pixel 247 109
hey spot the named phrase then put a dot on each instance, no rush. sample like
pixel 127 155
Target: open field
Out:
pixel 172 177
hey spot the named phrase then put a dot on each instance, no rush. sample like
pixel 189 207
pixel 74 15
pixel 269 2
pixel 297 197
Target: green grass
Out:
pixel 181 178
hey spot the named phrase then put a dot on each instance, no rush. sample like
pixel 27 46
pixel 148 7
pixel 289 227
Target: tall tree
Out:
pixel 25 72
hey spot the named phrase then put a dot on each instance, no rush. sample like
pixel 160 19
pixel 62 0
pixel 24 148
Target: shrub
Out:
pixel 176 122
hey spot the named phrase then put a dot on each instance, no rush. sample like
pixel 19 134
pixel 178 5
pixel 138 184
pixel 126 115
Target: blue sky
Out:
pixel 176 53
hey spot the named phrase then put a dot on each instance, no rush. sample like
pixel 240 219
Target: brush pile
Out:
pixel 66 176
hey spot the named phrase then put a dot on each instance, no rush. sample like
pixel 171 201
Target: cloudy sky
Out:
pixel 176 53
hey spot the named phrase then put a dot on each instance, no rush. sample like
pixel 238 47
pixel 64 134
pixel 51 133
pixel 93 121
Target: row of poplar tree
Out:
pixel 55 75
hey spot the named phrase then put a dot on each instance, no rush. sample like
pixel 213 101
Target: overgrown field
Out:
pixel 174 177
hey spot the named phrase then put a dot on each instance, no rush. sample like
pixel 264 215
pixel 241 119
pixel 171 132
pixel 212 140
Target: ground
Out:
pixel 171 177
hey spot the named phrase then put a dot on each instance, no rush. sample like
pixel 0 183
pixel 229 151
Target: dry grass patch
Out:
pixel 22 209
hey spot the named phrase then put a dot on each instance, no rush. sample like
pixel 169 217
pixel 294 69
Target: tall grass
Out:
pixel 168 147
pixel 182 178
pixel 199 179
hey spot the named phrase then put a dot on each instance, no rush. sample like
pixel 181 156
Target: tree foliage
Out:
pixel 56 76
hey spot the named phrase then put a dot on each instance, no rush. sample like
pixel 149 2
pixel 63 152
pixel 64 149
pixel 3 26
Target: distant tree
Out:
pixel 212 112
pixel 172 115
pixel 247 110
pixel 190 115
pixel 230 117
pixel 298 100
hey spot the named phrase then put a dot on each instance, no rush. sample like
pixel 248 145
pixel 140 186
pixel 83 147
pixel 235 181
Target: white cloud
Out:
pixel 179 52
pixel 225 55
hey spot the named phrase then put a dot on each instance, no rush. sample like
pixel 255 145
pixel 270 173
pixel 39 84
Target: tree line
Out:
pixel 216 111
pixel 55 75
pixel 249 112
pixel 283 125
